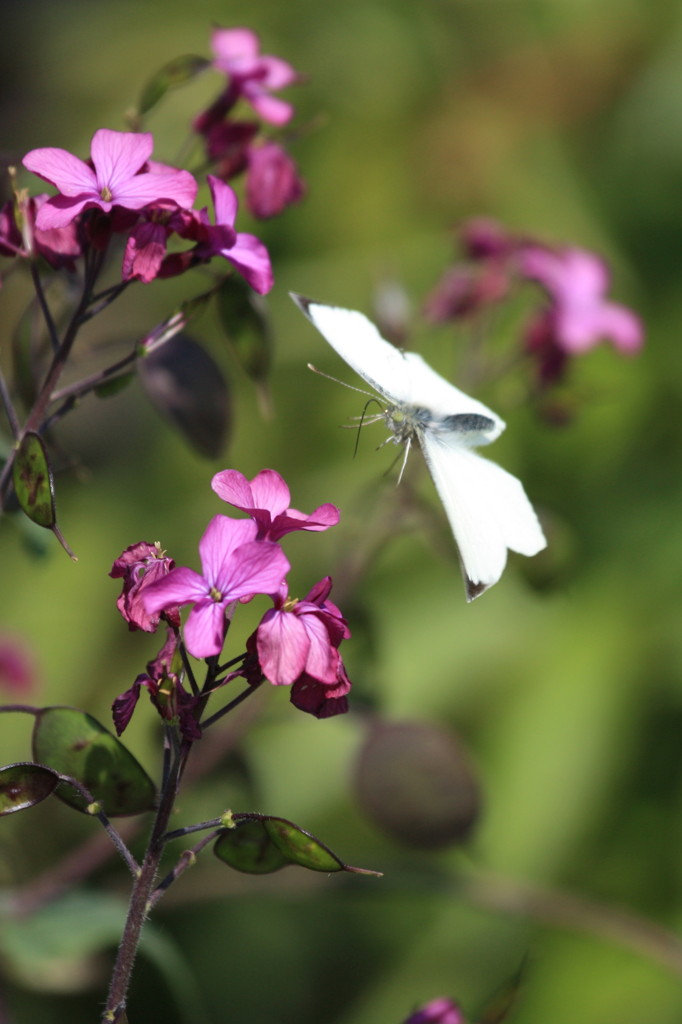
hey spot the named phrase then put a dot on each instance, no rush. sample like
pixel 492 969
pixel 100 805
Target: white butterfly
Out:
pixel 488 509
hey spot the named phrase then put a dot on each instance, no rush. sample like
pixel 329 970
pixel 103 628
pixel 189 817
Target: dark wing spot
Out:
pixel 467 423
pixel 475 590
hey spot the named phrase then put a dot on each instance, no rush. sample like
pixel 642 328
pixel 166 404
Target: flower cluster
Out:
pixel 234 146
pixel 575 313
pixel 296 643
pixel 120 189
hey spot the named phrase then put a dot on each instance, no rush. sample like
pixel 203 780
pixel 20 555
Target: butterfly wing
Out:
pixel 402 378
pixel 487 507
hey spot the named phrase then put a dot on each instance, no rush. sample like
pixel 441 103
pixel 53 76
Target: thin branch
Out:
pixel 565 910
pixel 8 406
pixel 187 860
pixel 228 707
pixel 82 387
pixel 45 309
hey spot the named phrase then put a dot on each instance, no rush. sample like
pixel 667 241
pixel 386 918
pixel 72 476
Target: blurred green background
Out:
pixel 561 118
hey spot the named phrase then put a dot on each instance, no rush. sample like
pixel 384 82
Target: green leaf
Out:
pixel 34 485
pixel 74 743
pixel 23 785
pixel 299 847
pixel 58 948
pixel 113 385
pixel 188 388
pixel 249 848
pixel 175 73
pixel 242 315
pixel 261 843
pixel 33 481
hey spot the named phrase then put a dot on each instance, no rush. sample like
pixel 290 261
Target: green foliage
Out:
pixel 74 743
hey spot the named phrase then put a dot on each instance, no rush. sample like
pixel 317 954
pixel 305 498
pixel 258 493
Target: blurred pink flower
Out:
pixel 17 668
pixel 580 316
pixel 253 75
pixel 272 180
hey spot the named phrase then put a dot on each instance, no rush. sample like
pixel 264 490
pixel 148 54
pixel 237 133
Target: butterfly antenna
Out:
pixel 366 422
pixel 343 384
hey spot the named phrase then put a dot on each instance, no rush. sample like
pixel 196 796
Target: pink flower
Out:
pixel 301 637
pixel 115 176
pixel 17 668
pixel 297 644
pixel 243 251
pixel 272 180
pixel 253 75
pixel 438 1011
pixel 139 566
pixel 266 499
pixel 234 565
pixel 580 315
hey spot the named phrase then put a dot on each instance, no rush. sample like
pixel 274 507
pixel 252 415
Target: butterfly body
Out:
pixel 487 507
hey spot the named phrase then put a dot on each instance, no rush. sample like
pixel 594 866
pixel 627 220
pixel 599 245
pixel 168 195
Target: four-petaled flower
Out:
pixel 266 499
pixel 297 637
pixel 253 75
pixel 234 565
pixel 579 316
pixel 118 174
pixel 297 644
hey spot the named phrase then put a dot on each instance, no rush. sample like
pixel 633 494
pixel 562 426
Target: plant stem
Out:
pixel 139 905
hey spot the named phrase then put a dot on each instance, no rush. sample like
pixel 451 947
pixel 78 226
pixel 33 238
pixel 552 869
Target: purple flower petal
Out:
pixel 255 568
pixel 118 156
pixel 252 260
pixel 205 629
pixel 221 537
pixel 283 644
pixel 225 201
pixel 66 172
pixel 180 586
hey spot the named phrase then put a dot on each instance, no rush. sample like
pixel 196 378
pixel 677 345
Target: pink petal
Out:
pixel 142 189
pixel 270 108
pixel 66 172
pixel 221 537
pixel 255 568
pixel 230 44
pixel 117 156
pixel 278 73
pixel 270 491
pixel 59 211
pixel 252 260
pixel 225 201
pixel 323 659
pixel 233 487
pixel 283 643
pixel 180 586
pixel 204 630
pixel 144 252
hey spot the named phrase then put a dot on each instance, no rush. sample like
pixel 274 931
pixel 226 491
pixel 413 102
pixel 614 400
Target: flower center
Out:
pixel 105 194
pixel 215 594
pixel 289 604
